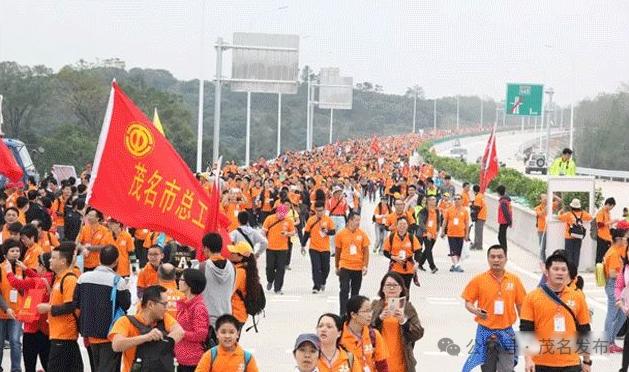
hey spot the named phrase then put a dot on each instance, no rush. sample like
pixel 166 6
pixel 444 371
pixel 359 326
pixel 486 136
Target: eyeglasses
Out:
pixel 391 286
pixel 366 311
pixel 163 303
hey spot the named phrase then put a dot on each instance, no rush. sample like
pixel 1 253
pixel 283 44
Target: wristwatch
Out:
pixel 588 362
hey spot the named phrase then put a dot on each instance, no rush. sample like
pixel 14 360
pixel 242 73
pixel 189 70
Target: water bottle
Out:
pixel 137 365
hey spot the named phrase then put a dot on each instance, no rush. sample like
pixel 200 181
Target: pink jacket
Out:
pixel 193 317
pixel 622 280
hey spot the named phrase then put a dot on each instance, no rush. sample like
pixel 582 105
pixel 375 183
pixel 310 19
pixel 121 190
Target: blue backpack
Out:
pixel 214 354
pixel 116 312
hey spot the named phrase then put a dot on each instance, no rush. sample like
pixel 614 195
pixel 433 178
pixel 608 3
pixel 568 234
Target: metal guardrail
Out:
pixel 604 173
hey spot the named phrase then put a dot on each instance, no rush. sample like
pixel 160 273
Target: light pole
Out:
pixel 481 113
pixel 457 113
pixel 415 108
pixel 550 93
pixel 434 117
pixel 201 93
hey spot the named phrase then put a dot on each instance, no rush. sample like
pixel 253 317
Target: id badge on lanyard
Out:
pixel 559 323
pixel 499 307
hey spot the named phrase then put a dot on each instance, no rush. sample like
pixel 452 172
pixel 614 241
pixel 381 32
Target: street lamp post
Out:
pixel 415 109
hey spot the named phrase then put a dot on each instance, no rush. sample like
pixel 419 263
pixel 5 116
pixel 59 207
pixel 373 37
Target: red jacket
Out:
pixel 505 215
pixel 33 280
pixel 193 317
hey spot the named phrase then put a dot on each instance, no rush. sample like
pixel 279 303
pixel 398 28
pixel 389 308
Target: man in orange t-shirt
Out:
pixel 456 222
pixel 561 336
pixel 318 230
pixel 278 229
pixel 603 224
pixel 351 260
pixel 148 275
pixel 64 350
pixel 493 297
pixel 125 336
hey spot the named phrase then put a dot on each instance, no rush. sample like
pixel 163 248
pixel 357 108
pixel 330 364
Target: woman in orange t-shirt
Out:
pixel 333 357
pixel 396 318
pixel 366 343
pixel 247 279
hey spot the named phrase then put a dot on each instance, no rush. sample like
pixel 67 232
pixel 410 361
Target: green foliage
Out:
pixel 41 107
pixel 602 123
pixel 518 185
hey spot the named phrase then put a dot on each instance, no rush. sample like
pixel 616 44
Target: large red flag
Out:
pixel 139 179
pixel 8 166
pixel 489 164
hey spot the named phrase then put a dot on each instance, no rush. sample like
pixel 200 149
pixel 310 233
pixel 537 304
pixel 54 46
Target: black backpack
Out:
pixel 577 230
pixel 154 356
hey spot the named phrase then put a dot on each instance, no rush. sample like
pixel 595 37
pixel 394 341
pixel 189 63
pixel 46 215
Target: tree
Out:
pixel 412 91
pixel 24 90
pixel 84 93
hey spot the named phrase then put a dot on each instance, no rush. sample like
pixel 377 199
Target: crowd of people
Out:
pixel 66 269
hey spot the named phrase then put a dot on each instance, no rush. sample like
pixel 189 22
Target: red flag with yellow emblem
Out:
pixel 139 179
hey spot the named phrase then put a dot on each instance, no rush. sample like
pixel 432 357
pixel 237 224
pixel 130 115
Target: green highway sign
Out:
pixel 524 99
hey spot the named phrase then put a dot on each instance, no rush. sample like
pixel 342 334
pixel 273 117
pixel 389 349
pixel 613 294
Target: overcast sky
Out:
pixel 579 47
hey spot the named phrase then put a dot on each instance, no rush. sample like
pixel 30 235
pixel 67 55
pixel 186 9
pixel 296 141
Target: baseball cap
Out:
pixel 307 337
pixel 242 248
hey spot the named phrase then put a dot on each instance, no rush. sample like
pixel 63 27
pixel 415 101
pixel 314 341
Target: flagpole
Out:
pixel 102 138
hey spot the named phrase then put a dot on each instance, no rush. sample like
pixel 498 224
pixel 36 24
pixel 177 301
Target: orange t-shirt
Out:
pixel 63 327
pixel 365 354
pixel 391 219
pixel 124 327
pixel 341 364
pixel 6 289
pixel 432 224
pixel 48 240
pixel 95 236
pixel 31 257
pixel 238 306
pixel 380 212
pixel 319 241
pixel 124 243
pixel 465 198
pixel 173 295
pixel 352 249
pixel 613 259
pixel 226 361
pixel 479 201
pixel 402 244
pixel 147 276
pixel 542 310
pixel 58 205
pixel 393 339
pixel 569 219
pixel 457 220
pixel 498 298
pixel 602 219
pixel 274 229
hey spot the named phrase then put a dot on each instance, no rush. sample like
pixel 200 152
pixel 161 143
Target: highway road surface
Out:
pixel 508 145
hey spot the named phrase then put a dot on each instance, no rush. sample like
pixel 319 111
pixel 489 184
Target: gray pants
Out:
pixel 479 226
pixel 498 359
pixel 541 235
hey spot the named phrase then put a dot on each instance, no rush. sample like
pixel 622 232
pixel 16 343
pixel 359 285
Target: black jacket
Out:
pixel 92 296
